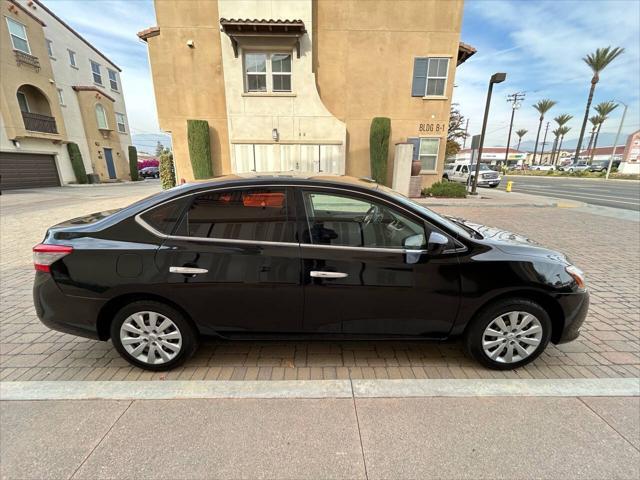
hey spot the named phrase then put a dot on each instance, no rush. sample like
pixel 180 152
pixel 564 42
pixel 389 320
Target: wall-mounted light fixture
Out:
pixel 190 44
pixel 275 135
pixel 16 143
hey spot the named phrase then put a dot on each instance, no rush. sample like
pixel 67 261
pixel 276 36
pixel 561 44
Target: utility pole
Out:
pixel 515 99
pixel 615 143
pixel 466 129
pixel 544 142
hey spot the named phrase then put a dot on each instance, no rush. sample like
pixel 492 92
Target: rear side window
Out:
pixel 164 217
pixel 256 214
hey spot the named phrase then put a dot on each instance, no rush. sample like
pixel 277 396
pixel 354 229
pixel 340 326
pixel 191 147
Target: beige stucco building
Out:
pixel 56 88
pixel 293 85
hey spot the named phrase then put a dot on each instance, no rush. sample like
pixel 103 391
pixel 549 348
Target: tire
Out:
pixel 476 334
pixel 164 358
pixel 445 178
pixel 494 185
pixel 570 170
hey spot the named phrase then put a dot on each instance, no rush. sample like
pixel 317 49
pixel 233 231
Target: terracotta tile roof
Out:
pixel 148 33
pixel 464 52
pixel 41 5
pixel 85 88
pixel 239 23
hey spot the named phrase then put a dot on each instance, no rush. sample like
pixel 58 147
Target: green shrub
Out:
pixel 446 190
pixel 379 148
pixel 76 162
pixel 133 163
pixel 199 148
pixel 167 171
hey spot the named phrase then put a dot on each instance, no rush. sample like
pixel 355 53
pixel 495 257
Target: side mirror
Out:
pixel 414 242
pixel 437 243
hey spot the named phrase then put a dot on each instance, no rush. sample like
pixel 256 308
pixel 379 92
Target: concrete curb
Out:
pixel 561 177
pixel 179 390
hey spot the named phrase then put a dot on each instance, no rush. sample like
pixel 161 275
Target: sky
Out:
pixel 538 43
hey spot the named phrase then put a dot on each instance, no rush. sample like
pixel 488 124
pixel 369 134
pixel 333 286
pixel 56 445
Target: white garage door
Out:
pixel 288 158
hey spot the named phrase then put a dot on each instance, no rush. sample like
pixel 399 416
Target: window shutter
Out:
pixel 419 77
pixel 416 146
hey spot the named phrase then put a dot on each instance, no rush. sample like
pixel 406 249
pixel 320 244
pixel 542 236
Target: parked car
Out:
pixel 580 166
pixel 602 165
pixel 150 172
pixel 464 172
pixel 543 168
pixel 286 256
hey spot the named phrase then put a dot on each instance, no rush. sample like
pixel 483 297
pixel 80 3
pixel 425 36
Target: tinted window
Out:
pixel 249 214
pixel 358 222
pixel 164 217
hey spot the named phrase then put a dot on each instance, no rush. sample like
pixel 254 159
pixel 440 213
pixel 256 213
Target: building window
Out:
pixel 95 70
pixel 22 101
pixel 429 77
pixel 60 96
pixel 72 58
pixel 113 79
pixel 101 117
pixel 428 153
pixel 120 123
pixel 18 34
pixel 267 72
pixel 49 47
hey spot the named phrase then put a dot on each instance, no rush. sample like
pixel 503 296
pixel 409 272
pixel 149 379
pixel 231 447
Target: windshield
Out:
pixel 448 222
pixel 483 167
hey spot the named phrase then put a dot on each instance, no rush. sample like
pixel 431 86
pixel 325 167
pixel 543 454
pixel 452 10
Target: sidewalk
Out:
pixel 326 430
pixel 491 197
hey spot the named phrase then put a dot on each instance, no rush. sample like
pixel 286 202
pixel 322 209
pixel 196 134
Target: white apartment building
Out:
pixel 59 89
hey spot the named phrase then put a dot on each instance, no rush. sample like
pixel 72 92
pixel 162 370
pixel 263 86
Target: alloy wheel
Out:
pixel 512 337
pixel 151 337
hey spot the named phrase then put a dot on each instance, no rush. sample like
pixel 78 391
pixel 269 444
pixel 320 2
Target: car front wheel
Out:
pixel 153 336
pixel 508 334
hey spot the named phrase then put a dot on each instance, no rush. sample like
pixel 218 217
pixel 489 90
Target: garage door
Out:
pixel 26 170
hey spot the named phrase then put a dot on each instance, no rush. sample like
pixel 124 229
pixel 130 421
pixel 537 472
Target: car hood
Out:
pixel 511 243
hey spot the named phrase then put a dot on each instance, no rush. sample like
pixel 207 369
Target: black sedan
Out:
pixel 282 256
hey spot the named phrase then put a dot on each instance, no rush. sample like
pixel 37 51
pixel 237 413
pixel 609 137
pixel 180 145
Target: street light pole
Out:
pixel 615 143
pixel 495 78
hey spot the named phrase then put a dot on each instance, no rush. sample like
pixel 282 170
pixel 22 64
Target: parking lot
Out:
pixel 605 247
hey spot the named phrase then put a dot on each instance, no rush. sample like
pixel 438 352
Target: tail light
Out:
pixel 45 255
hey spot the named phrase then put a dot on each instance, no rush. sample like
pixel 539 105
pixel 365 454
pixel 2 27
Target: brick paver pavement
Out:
pixel 606 248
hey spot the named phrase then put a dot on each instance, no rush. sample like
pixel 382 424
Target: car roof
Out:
pixel 281 178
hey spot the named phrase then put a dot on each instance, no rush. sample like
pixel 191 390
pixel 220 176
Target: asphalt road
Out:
pixel 623 194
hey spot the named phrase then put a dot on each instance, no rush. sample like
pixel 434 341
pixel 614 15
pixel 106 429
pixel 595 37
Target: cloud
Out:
pixel 540 45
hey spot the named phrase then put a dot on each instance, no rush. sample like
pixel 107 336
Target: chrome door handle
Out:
pixel 319 274
pixel 188 270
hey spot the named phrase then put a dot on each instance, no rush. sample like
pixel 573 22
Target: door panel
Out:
pixel 387 289
pixel 244 240
pixel 266 160
pixel 243 158
pixel 331 159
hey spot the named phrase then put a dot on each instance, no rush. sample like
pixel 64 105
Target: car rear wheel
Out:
pixel 508 334
pixel 153 336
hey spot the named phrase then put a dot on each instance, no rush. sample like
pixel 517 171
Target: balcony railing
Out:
pixel 25 58
pixel 35 122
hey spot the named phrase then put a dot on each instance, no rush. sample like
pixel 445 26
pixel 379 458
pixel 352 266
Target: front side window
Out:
pixel 49 47
pixel 267 72
pixel 342 220
pixel 120 121
pixel 113 79
pixel 72 58
pixel 101 117
pixel 255 214
pixel 18 34
pixel 428 153
pixel 95 71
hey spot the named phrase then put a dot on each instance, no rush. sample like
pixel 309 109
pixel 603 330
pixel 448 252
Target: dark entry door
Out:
pixel 365 270
pixel 108 158
pixel 235 261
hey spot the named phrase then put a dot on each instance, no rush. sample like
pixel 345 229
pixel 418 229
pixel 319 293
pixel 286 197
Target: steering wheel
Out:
pixel 372 214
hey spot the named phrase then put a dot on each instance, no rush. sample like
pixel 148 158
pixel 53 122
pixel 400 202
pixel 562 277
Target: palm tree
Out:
pixel 563 131
pixel 603 109
pixel 556 136
pixel 543 106
pixel 561 120
pixel 520 133
pixel 597 61
pixel 595 120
